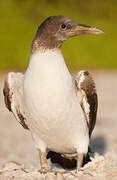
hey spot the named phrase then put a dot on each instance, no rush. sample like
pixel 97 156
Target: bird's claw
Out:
pixel 44 170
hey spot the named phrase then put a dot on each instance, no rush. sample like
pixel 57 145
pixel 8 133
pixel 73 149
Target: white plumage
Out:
pixel 53 112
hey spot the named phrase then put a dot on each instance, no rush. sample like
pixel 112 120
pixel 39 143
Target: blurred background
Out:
pixel 19 20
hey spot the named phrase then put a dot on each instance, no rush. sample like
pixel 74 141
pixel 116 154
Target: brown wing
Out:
pixel 86 92
pixel 13 96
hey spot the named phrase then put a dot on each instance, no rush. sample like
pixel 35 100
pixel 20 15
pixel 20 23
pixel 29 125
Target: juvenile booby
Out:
pixel 58 108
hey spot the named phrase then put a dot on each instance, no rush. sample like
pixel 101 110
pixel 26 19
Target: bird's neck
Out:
pixel 45 43
pixel 47 57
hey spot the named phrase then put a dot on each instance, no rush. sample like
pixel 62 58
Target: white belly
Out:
pixel 53 113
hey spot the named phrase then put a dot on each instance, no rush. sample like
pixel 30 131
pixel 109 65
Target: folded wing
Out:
pixel 87 96
pixel 13 96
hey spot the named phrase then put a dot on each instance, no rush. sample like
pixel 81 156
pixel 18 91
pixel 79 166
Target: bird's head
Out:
pixel 55 29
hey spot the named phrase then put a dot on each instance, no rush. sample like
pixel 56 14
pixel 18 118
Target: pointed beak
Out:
pixel 83 29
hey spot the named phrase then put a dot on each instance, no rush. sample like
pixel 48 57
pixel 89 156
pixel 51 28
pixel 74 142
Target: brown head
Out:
pixel 56 29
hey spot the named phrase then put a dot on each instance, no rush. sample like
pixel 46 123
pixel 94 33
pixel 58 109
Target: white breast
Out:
pixel 53 112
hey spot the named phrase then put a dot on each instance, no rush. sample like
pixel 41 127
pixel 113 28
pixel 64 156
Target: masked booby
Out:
pixel 59 109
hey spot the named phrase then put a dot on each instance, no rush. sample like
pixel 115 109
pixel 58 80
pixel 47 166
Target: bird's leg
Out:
pixel 43 161
pixel 44 167
pixel 79 161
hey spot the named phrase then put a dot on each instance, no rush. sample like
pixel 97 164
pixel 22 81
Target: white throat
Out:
pixel 47 58
pixel 49 67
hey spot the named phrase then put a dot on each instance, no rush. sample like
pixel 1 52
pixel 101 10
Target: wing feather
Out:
pixel 13 96
pixel 87 95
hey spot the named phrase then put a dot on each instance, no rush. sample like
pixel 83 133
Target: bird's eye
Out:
pixel 63 26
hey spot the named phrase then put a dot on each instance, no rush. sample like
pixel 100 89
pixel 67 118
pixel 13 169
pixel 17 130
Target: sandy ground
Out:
pixel 19 159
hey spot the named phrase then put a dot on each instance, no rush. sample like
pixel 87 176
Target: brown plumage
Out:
pixel 45 37
pixel 86 91
pixel 13 96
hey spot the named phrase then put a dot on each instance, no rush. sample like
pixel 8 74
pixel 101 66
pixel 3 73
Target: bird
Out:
pixel 58 108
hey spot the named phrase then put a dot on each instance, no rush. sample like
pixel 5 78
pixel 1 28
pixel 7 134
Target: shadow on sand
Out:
pixel 98 144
